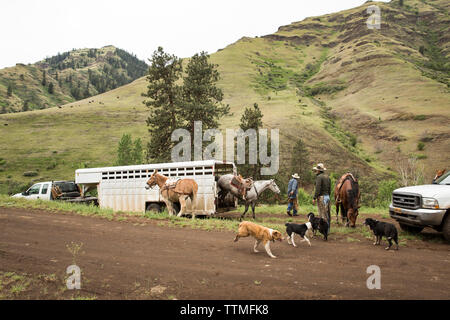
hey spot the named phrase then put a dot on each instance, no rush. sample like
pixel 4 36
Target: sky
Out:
pixel 35 29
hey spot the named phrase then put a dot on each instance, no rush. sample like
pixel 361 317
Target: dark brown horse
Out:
pixel 346 196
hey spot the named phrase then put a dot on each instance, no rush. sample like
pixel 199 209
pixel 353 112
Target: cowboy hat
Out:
pixel 296 176
pixel 319 167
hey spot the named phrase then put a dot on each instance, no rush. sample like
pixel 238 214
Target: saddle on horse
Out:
pixel 341 181
pixel 243 185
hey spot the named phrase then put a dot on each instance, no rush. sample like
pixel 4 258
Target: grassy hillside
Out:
pixel 67 77
pixel 359 98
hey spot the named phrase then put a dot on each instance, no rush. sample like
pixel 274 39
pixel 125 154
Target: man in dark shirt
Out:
pixel 322 193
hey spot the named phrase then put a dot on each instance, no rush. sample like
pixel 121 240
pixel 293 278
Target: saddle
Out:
pixel 243 185
pixel 341 181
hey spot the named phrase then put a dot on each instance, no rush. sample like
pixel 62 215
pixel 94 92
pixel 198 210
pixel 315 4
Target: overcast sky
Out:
pixel 35 29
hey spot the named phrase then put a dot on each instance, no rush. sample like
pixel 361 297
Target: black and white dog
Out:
pixel 381 229
pixel 300 229
pixel 319 224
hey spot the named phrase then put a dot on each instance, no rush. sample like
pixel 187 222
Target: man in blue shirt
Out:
pixel 292 194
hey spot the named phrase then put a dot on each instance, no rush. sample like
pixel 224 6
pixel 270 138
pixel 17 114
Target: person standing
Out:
pixel 292 195
pixel 322 193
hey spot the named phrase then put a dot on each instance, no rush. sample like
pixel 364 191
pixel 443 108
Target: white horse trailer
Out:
pixel 123 188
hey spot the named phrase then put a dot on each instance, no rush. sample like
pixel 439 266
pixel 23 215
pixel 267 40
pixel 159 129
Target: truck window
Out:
pixel 445 179
pixel 44 189
pixel 67 187
pixel 34 189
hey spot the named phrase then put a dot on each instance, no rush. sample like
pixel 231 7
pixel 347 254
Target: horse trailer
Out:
pixel 123 188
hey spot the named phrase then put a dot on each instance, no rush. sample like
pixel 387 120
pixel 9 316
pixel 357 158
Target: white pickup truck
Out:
pixel 68 191
pixel 417 207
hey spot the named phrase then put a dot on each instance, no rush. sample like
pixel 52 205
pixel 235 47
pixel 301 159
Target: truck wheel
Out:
pixel 153 207
pixel 410 229
pixel 446 228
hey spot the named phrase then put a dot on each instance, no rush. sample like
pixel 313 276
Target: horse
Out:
pixel 225 185
pixel 177 191
pixel 252 195
pixel 439 174
pixel 346 196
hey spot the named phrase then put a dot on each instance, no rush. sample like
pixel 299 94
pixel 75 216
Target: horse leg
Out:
pixel 337 211
pixel 245 211
pixel 253 209
pixel 182 200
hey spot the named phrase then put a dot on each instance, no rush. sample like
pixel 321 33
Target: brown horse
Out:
pixel 178 191
pixel 439 174
pixel 346 196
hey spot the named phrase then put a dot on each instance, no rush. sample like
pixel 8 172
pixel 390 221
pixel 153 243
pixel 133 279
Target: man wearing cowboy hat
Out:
pixel 292 194
pixel 322 194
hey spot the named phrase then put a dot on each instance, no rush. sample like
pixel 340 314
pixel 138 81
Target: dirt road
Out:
pixel 140 260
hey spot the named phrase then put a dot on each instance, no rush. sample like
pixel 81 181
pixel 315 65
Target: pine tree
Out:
pixel 51 89
pixel 300 162
pixel 201 97
pixel 44 78
pixel 10 90
pixel 164 103
pixel 137 153
pixel 251 119
pixel 25 106
pixel 124 151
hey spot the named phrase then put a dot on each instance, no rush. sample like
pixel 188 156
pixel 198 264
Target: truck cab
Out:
pixel 422 206
pixel 42 190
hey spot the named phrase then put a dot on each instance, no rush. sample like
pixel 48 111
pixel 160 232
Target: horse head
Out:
pixel 439 174
pixel 273 187
pixel 153 181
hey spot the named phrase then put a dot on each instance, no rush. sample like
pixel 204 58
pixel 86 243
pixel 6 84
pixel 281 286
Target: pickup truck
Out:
pixel 417 207
pixel 62 190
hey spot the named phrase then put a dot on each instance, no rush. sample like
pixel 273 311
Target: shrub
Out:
pixel 30 174
pixel 384 193
pixel 420 146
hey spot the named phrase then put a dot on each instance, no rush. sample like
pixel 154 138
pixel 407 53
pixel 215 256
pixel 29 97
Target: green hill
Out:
pixel 359 98
pixel 67 77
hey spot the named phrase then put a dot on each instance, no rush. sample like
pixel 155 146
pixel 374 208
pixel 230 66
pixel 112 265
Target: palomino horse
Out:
pixel 439 174
pixel 253 194
pixel 346 196
pixel 178 191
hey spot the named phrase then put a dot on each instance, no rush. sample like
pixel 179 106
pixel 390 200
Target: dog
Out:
pixel 318 224
pixel 381 229
pixel 260 233
pixel 300 229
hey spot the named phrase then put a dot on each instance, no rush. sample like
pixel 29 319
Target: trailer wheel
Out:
pixel 153 207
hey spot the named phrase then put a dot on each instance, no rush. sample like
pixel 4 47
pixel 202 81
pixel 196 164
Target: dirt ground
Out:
pixel 141 260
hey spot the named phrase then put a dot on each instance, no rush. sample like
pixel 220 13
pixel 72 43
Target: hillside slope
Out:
pixel 67 77
pixel 359 98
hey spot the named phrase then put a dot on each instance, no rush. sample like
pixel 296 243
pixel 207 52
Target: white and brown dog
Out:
pixel 260 233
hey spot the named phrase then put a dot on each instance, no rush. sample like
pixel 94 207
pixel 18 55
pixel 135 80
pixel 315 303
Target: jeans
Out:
pixel 292 203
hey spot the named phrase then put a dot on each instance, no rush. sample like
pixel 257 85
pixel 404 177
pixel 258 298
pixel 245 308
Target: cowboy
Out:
pixel 322 193
pixel 292 194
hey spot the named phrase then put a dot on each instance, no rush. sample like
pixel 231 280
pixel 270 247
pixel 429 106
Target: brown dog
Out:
pixel 260 233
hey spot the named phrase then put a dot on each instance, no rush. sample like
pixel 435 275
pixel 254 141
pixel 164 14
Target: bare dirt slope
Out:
pixel 144 261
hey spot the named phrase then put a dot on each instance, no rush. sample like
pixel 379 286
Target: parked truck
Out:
pixel 57 190
pixel 417 207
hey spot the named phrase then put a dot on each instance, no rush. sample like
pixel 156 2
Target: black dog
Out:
pixel 319 224
pixel 300 229
pixel 381 229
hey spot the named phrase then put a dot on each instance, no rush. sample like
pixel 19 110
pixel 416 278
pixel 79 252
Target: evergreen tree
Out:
pixel 10 90
pixel 201 97
pixel 251 119
pixel 44 78
pixel 124 151
pixel 25 106
pixel 300 162
pixel 3 109
pixel 137 153
pixel 51 88
pixel 164 103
